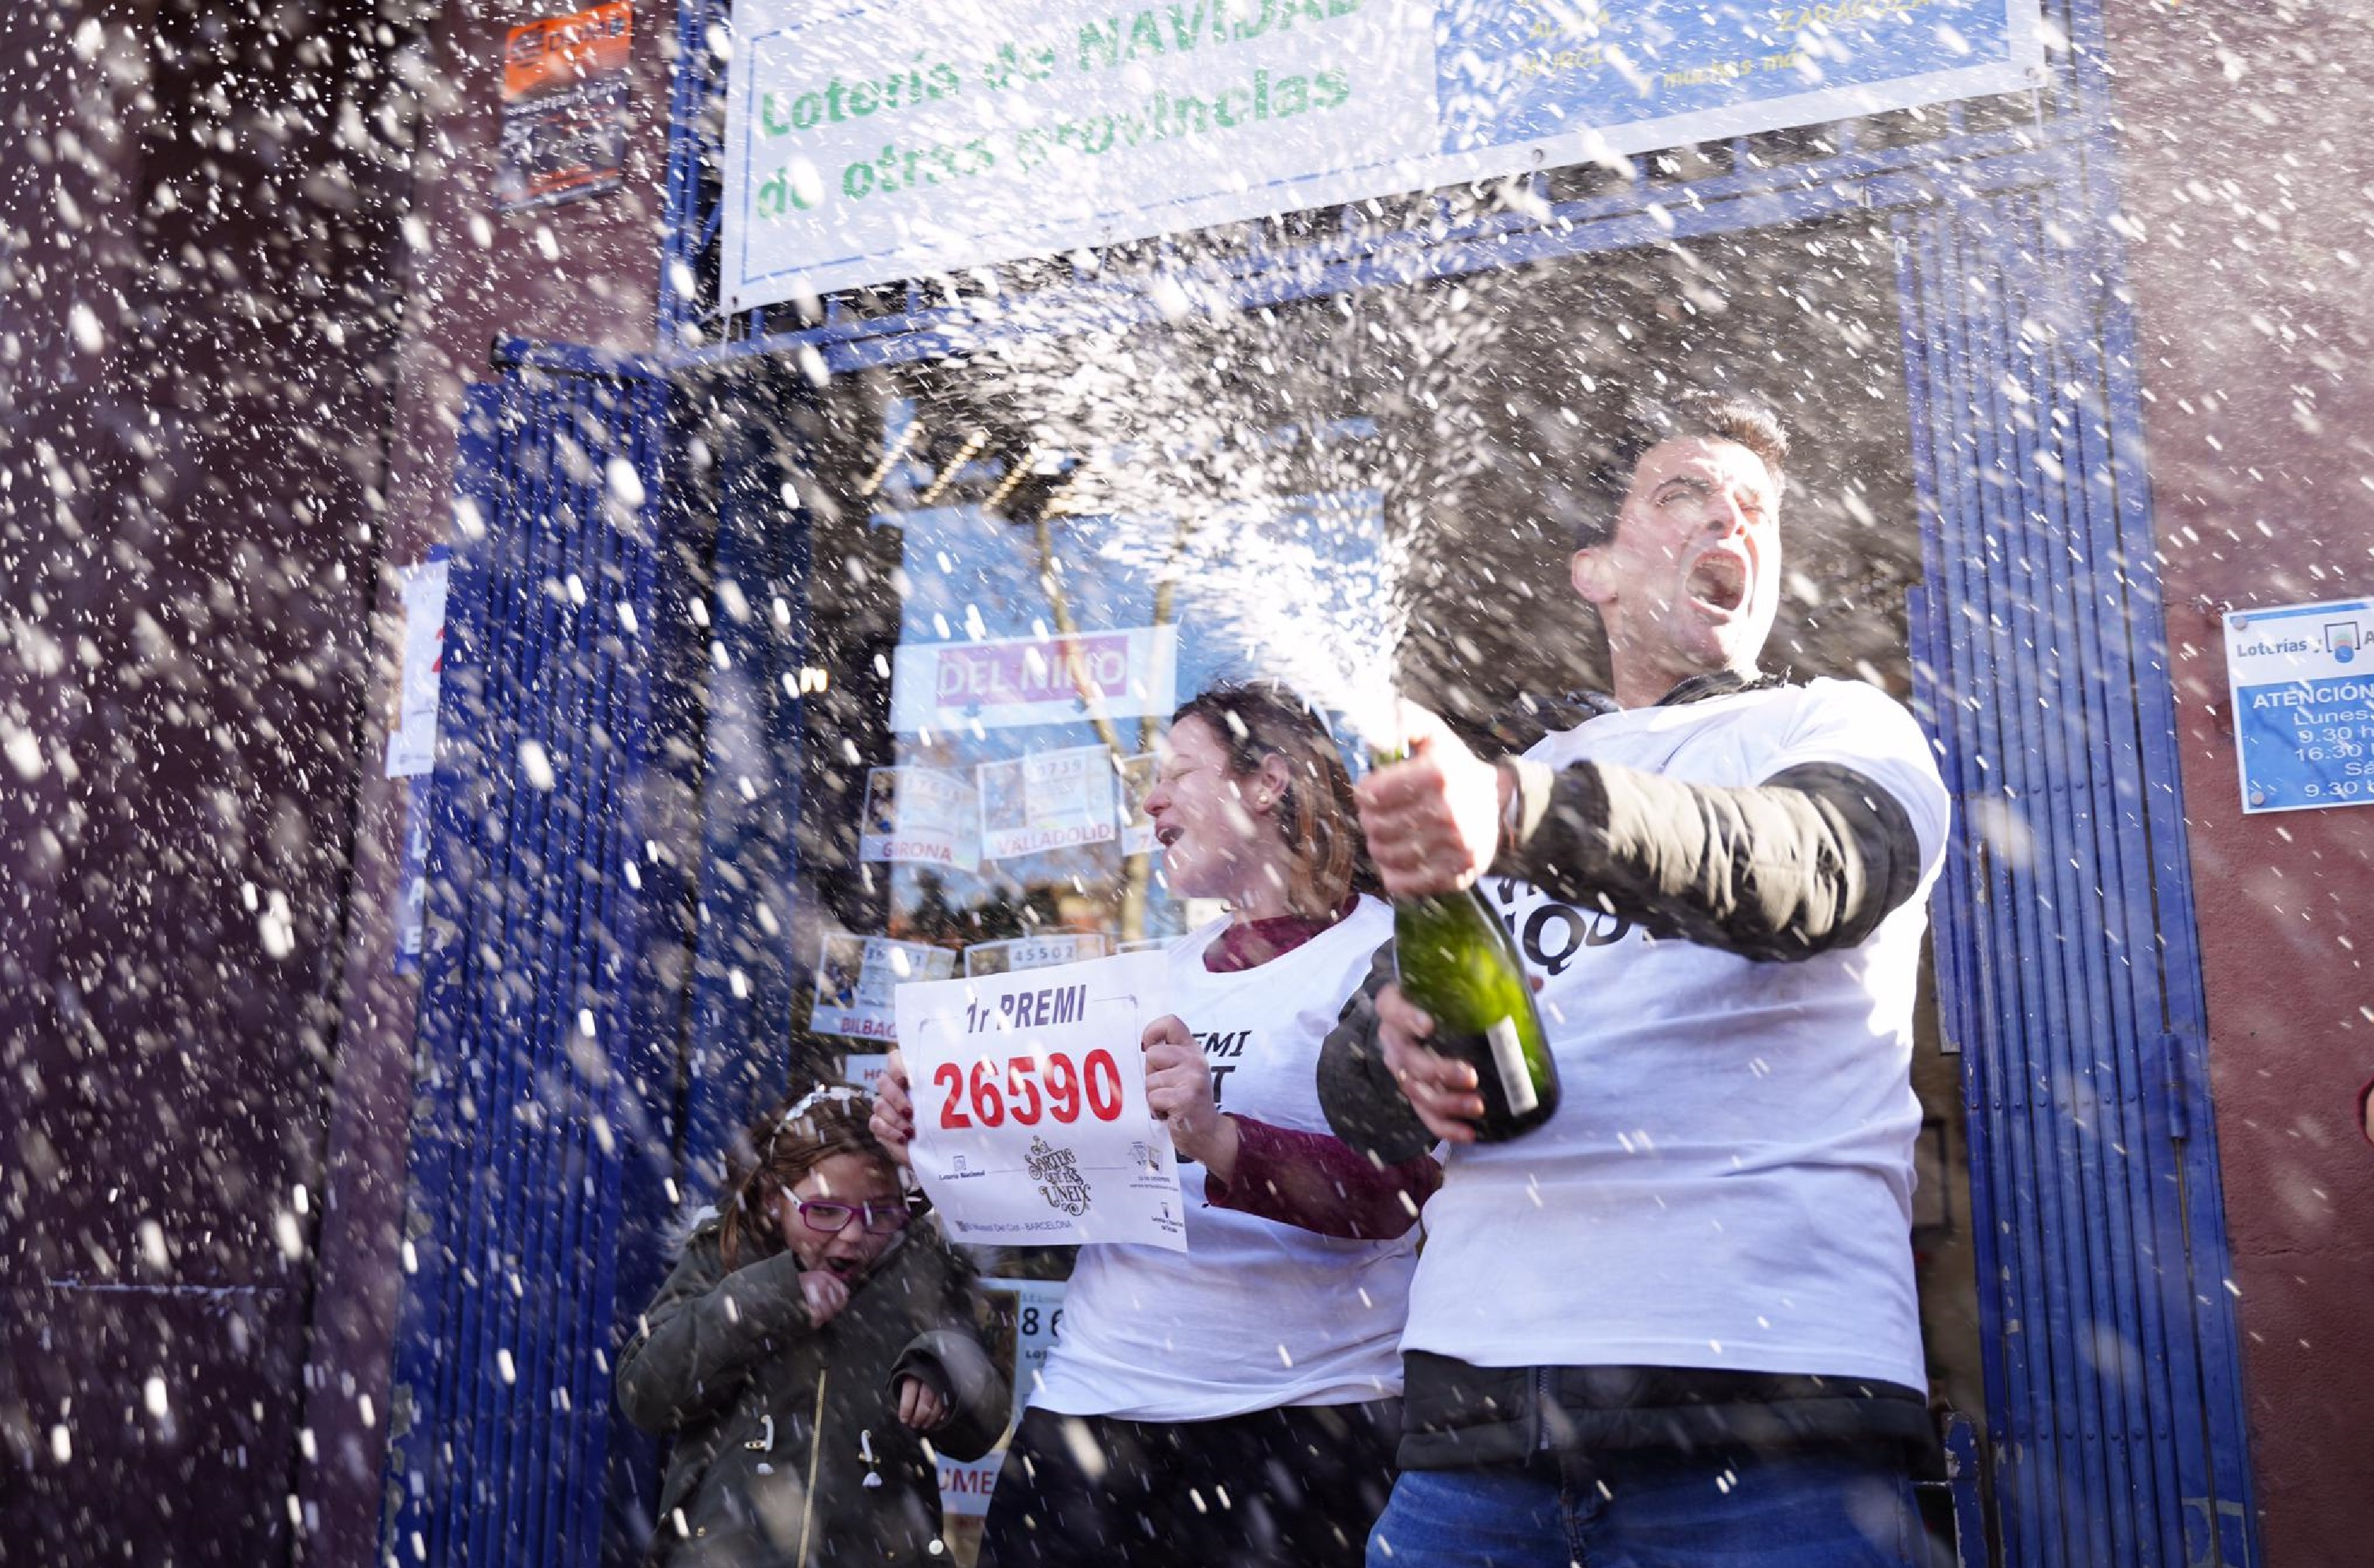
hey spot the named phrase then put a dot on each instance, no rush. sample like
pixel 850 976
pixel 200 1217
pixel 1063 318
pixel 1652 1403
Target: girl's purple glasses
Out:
pixel 881 1218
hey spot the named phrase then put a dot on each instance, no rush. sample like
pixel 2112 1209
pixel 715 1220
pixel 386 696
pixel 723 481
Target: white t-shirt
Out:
pixel 1727 1183
pixel 1253 1314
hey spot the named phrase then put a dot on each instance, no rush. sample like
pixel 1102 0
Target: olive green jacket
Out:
pixel 789 1453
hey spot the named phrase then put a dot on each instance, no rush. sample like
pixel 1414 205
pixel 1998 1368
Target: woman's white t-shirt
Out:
pixel 1253 1314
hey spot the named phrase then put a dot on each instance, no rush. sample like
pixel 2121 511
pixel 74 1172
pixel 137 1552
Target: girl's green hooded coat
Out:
pixel 789 1453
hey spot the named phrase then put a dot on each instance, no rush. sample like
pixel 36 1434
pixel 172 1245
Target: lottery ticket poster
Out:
pixel 1031 1320
pixel 1034 952
pixel 1047 800
pixel 1032 1126
pixel 856 975
pixel 1137 776
pixel 921 815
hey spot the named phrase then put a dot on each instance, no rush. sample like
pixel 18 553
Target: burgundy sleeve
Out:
pixel 1316 1182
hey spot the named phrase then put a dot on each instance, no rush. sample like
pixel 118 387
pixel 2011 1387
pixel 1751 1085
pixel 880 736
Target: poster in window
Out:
pixel 921 815
pixel 1137 780
pixel 856 977
pixel 1034 952
pixel 1047 800
pixel 565 107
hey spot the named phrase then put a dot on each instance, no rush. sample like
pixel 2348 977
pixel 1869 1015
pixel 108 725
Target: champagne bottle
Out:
pixel 1456 959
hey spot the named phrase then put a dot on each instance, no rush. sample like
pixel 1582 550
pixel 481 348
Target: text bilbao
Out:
pixel 1034 1083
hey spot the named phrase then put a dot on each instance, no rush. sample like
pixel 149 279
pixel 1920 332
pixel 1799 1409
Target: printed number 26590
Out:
pixel 1029 1089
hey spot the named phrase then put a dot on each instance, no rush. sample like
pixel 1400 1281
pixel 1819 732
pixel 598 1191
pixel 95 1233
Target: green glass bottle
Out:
pixel 1456 959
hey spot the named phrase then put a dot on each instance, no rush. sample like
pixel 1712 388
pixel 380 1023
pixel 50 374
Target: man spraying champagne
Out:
pixel 1676 1323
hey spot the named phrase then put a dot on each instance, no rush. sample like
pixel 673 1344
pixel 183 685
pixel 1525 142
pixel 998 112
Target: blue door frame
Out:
pixel 2067 960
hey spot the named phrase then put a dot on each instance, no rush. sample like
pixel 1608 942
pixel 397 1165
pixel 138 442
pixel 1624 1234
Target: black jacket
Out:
pixel 788 1449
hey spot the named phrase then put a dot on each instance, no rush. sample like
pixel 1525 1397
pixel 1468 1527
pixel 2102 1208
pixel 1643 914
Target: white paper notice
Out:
pixel 855 976
pixel 1032 1126
pixel 412 740
pixel 921 815
pixel 1049 800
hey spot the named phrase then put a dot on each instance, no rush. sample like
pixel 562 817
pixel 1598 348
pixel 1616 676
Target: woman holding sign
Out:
pixel 1236 1403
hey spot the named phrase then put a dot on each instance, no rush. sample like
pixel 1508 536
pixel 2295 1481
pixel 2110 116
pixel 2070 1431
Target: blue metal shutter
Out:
pixel 551 1007
pixel 2065 937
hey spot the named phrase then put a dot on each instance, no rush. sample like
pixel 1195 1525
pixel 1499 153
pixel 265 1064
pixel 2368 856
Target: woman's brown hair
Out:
pixel 1316 815
pixel 776 1153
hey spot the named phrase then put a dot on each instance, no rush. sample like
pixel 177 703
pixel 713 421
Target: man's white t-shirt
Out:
pixel 1727 1183
pixel 1253 1314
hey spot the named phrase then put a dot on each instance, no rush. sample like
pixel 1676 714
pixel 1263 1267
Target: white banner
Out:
pixel 922 816
pixel 1032 1126
pixel 855 976
pixel 905 137
pixel 1008 682
pixel 1048 800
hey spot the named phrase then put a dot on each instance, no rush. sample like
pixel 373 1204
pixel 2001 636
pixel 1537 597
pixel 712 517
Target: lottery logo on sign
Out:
pixel 1058 1175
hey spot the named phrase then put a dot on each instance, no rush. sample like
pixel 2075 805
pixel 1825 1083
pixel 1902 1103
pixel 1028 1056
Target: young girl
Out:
pixel 1235 1404
pixel 808 1342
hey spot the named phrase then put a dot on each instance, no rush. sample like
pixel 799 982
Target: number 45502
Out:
pixel 1029 1089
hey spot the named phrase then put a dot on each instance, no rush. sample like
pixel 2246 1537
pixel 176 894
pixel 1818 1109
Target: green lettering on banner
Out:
pixel 1254 28
pixel 1099 39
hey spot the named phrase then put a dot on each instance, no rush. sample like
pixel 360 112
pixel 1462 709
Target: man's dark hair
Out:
pixel 1647 422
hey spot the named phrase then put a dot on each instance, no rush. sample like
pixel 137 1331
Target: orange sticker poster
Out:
pixel 565 106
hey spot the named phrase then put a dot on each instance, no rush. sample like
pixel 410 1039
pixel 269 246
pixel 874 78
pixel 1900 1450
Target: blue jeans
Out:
pixel 1662 1511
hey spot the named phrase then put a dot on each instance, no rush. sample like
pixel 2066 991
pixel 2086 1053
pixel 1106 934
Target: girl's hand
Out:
pixel 826 1293
pixel 894 1111
pixel 919 1407
pixel 1179 1089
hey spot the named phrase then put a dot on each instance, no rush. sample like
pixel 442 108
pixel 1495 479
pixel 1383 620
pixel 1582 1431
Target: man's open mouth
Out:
pixel 1167 836
pixel 846 1267
pixel 1719 581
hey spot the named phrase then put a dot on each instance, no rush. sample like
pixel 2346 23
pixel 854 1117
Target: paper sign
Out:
pixel 922 816
pixel 864 1070
pixel 565 107
pixel 1034 952
pixel 2302 684
pixel 1031 1125
pixel 896 138
pixel 1137 780
pixel 412 740
pixel 1038 1314
pixel 412 879
pixel 1050 800
pixel 1011 681
pixel 855 976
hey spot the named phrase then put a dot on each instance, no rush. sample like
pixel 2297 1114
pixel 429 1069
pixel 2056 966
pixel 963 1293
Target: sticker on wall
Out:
pixel 565 107
pixel 1026 1332
pixel 1137 779
pixel 922 816
pixel 1034 952
pixel 1048 800
pixel 857 976
pixel 412 738
pixel 1008 682
pixel 2301 678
